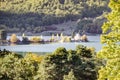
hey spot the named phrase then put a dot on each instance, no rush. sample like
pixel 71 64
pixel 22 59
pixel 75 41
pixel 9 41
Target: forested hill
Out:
pixel 35 15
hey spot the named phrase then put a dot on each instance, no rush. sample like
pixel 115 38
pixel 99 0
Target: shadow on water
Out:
pixel 92 41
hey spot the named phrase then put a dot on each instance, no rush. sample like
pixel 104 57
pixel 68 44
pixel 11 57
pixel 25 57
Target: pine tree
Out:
pixel 111 38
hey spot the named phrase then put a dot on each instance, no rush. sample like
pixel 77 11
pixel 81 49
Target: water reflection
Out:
pixel 12 44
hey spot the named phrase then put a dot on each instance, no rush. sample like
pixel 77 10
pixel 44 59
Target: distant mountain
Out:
pixel 37 15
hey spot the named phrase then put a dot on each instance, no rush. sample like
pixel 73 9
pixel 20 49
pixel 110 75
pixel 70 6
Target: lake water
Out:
pixel 94 41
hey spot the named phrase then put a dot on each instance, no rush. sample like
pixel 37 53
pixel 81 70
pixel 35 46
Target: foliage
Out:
pixel 13 38
pixel 56 66
pixel 60 51
pixel 70 76
pixel 5 52
pixel 33 16
pixel 83 51
pixel 6 69
pixel 3 34
pixel 35 39
pixel 66 39
pixel 13 67
pixel 90 25
pixel 84 38
pixel 33 57
pixel 62 64
pixel 111 38
pixel 25 40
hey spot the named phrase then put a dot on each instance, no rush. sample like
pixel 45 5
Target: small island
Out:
pixel 39 39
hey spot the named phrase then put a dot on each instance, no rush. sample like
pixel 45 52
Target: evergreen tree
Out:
pixel 111 38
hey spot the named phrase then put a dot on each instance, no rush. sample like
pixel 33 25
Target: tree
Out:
pixel 52 66
pixel 14 67
pixel 111 38
pixel 27 15
pixel 3 34
pixel 13 38
pixel 70 76
pixel 84 51
pixel 67 65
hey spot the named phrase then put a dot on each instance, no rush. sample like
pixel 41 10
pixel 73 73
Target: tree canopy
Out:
pixel 111 38
pixel 62 64
pixel 34 15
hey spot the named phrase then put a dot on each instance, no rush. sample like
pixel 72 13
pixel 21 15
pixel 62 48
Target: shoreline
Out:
pixel 45 34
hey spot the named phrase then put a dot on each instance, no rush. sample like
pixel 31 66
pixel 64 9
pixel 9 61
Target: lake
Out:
pixel 94 41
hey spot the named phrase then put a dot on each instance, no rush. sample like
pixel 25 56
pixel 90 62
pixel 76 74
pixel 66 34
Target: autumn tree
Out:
pixel 111 38
pixel 13 38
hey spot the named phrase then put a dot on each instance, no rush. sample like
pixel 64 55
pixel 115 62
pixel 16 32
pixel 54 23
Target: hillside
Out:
pixel 36 16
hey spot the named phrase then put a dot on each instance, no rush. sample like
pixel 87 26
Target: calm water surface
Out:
pixel 94 42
